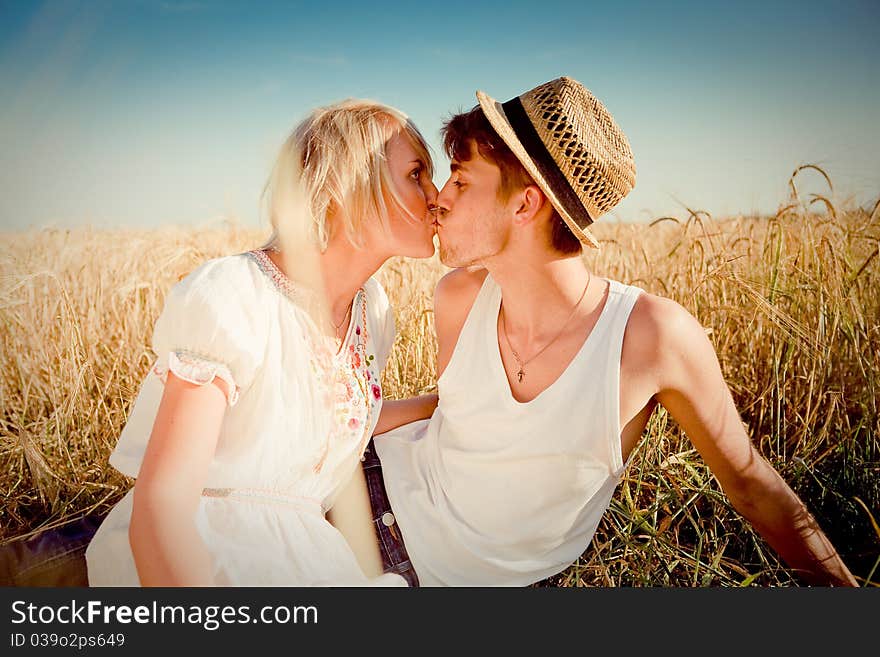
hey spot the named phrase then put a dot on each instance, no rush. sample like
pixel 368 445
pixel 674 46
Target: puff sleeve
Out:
pixel 210 327
pixel 212 324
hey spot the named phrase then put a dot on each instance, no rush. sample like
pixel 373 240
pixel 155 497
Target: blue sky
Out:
pixel 151 113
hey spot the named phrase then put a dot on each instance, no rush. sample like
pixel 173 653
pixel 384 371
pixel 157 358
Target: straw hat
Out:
pixel 571 146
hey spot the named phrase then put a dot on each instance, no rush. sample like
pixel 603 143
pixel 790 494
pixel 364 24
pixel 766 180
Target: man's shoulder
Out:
pixel 654 312
pixel 455 294
pixel 454 297
pixel 659 328
pixel 460 285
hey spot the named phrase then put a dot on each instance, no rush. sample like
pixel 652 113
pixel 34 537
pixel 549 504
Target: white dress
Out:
pixel 298 419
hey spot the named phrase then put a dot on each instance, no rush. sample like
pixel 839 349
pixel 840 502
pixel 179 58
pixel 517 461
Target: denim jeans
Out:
pixel 394 555
pixel 56 557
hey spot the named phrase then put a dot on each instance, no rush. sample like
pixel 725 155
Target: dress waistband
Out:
pixel 268 496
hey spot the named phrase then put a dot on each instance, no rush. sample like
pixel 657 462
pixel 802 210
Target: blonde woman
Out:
pixel 252 423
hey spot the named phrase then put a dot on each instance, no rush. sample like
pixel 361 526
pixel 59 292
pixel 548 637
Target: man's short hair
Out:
pixel 471 130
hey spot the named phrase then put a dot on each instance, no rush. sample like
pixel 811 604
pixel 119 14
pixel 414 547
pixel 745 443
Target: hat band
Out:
pixel 531 141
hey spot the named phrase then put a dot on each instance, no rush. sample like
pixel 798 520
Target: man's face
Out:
pixel 473 223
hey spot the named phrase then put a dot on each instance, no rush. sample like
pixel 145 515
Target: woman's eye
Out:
pixel 416 173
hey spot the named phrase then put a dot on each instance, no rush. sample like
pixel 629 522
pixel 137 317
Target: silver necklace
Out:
pixel 522 363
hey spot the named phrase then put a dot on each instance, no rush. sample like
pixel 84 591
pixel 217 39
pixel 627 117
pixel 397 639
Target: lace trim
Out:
pixel 198 370
pixel 297 293
pixel 267 496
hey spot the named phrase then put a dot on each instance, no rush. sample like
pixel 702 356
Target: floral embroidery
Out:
pixel 355 393
pixel 347 380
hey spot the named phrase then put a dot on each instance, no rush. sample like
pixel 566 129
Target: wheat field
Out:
pixel 790 303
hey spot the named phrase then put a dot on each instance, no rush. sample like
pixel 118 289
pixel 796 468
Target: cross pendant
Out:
pixel 520 375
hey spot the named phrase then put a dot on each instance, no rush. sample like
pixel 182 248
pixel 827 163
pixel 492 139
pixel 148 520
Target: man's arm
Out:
pixel 397 412
pixel 692 388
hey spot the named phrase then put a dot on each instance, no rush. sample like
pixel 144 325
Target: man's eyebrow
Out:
pixel 456 166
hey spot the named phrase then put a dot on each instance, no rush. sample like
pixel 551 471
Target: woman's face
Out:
pixel 411 231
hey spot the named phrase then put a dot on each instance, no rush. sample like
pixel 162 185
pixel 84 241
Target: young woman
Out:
pixel 266 387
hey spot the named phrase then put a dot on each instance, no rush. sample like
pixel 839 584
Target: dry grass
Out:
pixel 790 301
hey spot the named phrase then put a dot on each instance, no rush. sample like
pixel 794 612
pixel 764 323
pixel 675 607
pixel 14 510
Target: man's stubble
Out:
pixel 486 239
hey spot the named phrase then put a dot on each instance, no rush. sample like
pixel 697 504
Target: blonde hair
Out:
pixel 336 160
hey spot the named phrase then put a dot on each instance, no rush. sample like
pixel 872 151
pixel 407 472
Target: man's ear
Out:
pixel 530 201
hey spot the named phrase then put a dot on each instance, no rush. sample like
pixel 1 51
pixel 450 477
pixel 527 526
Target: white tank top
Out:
pixel 493 492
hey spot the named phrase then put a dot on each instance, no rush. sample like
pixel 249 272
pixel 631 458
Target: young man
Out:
pixel 547 373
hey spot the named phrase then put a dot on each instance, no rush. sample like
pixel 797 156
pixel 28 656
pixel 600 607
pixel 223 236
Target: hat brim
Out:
pixel 498 119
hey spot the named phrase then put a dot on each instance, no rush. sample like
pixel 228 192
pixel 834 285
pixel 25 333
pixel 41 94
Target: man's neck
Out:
pixel 541 290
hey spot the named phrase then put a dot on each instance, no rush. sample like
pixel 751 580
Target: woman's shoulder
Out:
pixel 375 293
pixel 378 306
pixel 229 288
pixel 236 274
pixel 380 316
pixel 232 271
pixel 216 313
